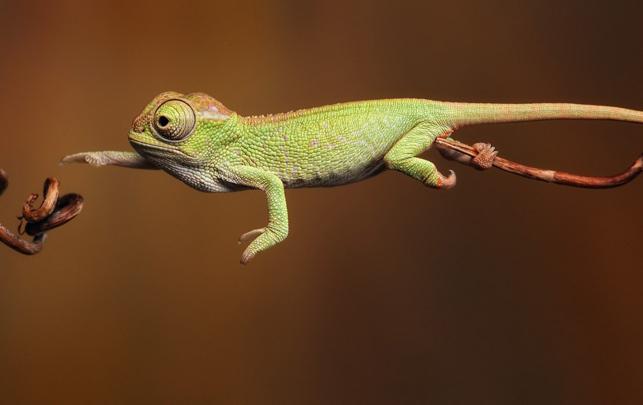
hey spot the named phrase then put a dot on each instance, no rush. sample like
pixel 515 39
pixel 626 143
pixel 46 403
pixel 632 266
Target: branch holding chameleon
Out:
pixel 483 156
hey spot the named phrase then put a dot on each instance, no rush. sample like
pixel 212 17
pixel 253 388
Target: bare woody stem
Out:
pixel 550 176
pixel 53 212
pixel 66 209
pixel 20 245
pixel 4 182
pixel 50 196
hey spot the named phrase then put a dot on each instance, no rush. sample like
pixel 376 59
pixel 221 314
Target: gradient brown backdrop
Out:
pixel 501 291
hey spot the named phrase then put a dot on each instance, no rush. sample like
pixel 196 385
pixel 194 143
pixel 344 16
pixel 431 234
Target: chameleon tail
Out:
pixel 458 115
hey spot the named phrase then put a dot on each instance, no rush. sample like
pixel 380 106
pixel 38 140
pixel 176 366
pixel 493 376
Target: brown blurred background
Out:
pixel 501 291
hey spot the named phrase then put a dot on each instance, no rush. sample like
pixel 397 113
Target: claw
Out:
pixel 448 182
pixel 246 256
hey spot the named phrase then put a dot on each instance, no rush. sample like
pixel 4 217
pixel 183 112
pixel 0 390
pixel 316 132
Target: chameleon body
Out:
pixel 198 140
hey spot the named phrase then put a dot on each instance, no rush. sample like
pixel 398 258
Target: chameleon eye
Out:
pixel 174 120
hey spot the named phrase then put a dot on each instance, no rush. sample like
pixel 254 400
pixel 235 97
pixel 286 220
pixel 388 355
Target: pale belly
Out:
pixel 330 179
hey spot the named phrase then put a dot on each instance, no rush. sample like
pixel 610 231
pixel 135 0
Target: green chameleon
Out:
pixel 198 140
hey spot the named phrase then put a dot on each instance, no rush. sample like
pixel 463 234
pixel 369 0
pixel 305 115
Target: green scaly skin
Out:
pixel 198 140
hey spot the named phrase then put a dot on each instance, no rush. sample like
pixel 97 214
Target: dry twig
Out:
pixel 52 213
pixel 3 181
pixel 551 176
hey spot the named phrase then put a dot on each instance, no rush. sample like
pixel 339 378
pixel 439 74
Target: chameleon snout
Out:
pixel 139 123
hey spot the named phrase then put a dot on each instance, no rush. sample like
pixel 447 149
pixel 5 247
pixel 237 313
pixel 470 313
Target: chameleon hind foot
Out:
pixel 485 157
pixel 483 160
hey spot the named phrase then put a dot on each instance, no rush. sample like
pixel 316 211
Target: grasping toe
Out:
pixel 485 157
pixel 251 234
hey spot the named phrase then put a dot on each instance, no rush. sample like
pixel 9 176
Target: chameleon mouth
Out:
pixel 157 151
pixel 145 148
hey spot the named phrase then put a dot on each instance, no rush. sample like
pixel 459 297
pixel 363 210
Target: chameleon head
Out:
pixel 177 132
pixel 176 123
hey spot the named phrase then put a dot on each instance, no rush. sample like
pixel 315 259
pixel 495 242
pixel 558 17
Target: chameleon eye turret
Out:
pixel 174 120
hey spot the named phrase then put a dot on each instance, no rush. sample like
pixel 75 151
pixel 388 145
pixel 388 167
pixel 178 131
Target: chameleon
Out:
pixel 209 147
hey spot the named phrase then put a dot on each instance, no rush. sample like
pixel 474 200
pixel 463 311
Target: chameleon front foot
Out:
pixel 251 234
pixel 262 239
pixel 248 254
pixel 109 158
pixel 95 159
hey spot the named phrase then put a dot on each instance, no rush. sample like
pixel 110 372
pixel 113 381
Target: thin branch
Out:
pixel 550 176
pixel 50 196
pixel 4 182
pixel 52 213
pixel 67 207
pixel 20 245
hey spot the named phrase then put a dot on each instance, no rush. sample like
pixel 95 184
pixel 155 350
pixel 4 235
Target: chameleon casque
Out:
pixel 196 139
